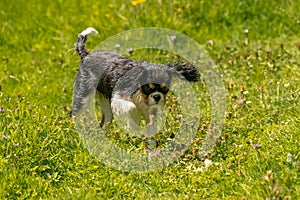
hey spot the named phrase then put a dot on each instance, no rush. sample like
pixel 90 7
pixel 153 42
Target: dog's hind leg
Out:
pixel 81 103
pixel 106 110
pixel 84 91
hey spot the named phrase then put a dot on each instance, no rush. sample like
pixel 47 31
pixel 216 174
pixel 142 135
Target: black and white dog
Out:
pixel 128 88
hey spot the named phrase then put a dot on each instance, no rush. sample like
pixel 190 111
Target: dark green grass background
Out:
pixel 257 155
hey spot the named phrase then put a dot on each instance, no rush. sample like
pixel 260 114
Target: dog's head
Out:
pixel 153 83
pixel 153 93
pixel 148 83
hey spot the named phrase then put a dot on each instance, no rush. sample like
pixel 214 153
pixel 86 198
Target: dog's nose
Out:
pixel 156 97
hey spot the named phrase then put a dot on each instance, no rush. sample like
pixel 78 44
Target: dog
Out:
pixel 127 88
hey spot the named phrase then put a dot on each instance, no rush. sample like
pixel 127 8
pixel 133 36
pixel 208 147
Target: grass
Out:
pixel 257 155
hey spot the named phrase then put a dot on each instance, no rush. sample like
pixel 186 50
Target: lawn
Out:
pixel 255 46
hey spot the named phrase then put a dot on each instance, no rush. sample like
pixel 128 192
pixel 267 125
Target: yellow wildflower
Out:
pixel 136 2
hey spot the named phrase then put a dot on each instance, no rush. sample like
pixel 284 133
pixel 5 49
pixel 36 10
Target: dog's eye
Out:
pixel 147 89
pixel 164 90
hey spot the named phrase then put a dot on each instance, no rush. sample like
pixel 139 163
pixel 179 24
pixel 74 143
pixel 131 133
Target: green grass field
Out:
pixel 258 153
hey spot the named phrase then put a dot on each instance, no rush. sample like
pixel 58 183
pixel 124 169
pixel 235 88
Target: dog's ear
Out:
pixel 130 81
pixel 186 70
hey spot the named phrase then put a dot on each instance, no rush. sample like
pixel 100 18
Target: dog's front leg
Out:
pixel 134 119
pixel 126 112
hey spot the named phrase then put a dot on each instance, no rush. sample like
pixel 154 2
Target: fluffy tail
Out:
pixel 82 37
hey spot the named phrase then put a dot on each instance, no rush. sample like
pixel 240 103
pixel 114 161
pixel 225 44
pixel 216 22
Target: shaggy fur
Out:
pixel 126 87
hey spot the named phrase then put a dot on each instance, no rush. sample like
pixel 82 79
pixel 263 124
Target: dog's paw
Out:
pixel 121 107
pixel 127 107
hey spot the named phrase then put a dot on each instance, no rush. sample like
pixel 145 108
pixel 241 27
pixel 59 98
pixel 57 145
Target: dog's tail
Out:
pixel 82 37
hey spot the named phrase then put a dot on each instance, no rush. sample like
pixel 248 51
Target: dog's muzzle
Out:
pixel 156 98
